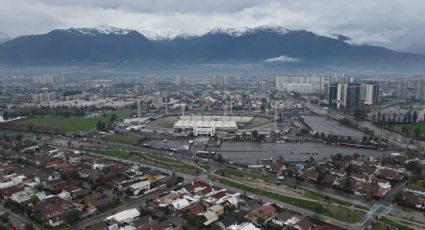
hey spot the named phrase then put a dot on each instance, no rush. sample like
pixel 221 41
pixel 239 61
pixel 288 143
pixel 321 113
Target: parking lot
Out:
pixel 328 126
pixel 250 153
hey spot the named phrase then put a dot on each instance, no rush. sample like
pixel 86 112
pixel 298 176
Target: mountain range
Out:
pixel 261 45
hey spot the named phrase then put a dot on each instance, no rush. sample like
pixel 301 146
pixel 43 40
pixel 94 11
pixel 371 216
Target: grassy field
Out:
pixel 379 226
pixel 343 214
pixel 330 199
pixel 121 138
pixel 115 153
pixel 55 123
pixel 238 173
pixel 394 223
pixel 410 128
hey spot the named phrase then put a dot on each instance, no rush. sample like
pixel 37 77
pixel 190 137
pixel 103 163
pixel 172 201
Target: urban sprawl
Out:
pixel 221 152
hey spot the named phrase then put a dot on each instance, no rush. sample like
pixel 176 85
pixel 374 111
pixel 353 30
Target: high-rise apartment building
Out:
pixel 223 80
pixel 401 89
pixel 344 95
pixel 370 93
pixel 420 89
pixel 43 97
pixel 301 84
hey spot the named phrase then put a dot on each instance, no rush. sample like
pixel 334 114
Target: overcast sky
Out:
pixel 397 24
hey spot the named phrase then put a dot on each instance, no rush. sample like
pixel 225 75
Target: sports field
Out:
pixel 55 124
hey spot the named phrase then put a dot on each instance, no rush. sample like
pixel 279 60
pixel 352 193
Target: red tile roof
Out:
pixel 267 210
pixel 193 186
pixel 219 195
pixel 195 209
pixel 206 190
pixel 304 224
pixel 67 186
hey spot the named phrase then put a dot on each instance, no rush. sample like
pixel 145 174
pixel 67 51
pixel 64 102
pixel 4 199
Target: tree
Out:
pixel 349 169
pixel 113 117
pixel 100 126
pixel 254 134
pixel 347 185
pixel 384 118
pixel 6 115
pixel 191 134
pixel 261 138
pixel 30 127
pixel 409 116
pixel 219 158
pixel 414 167
pixel 316 219
pixel 417 132
pixel 415 117
pixel 19 137
pixel 399 199
pixel 243 135
pixel 394 118
pixel 280 159
pixel 260 220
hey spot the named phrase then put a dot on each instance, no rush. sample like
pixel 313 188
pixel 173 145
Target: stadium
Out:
pixel 209 125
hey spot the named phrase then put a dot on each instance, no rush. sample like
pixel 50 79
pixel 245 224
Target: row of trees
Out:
pixel 57 111
pixel 410 117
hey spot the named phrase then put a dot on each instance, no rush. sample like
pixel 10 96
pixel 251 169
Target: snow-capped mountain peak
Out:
pixel 167 35
pixel 101 29
pixel 170 35
pixel 237 32
pixel 234 32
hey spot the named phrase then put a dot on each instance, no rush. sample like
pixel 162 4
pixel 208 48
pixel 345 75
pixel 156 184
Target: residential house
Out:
pixel 55 213
pixel 329 180
pixel 390 175
pixel 413 200
pixel 310 176
pixel 126 216
pixel 265 211
pixel 303 224
pixel 359 177
pixel 415 189
pixel 243 226
pixel 217 209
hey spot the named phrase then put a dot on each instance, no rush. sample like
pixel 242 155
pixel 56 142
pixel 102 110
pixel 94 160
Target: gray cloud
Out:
pixel 396 24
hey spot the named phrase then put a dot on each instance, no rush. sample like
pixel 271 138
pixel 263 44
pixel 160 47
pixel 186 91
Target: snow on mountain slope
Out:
pixel 238 32
pixel 234 32
pixel 167 35
pixel 101 29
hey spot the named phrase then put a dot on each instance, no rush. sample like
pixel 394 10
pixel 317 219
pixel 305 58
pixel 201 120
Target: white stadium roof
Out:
pixel 185 124
pixel 237 119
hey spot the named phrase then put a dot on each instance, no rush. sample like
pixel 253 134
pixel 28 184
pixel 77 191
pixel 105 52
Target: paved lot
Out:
pixel 328 126
pixel 249 153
